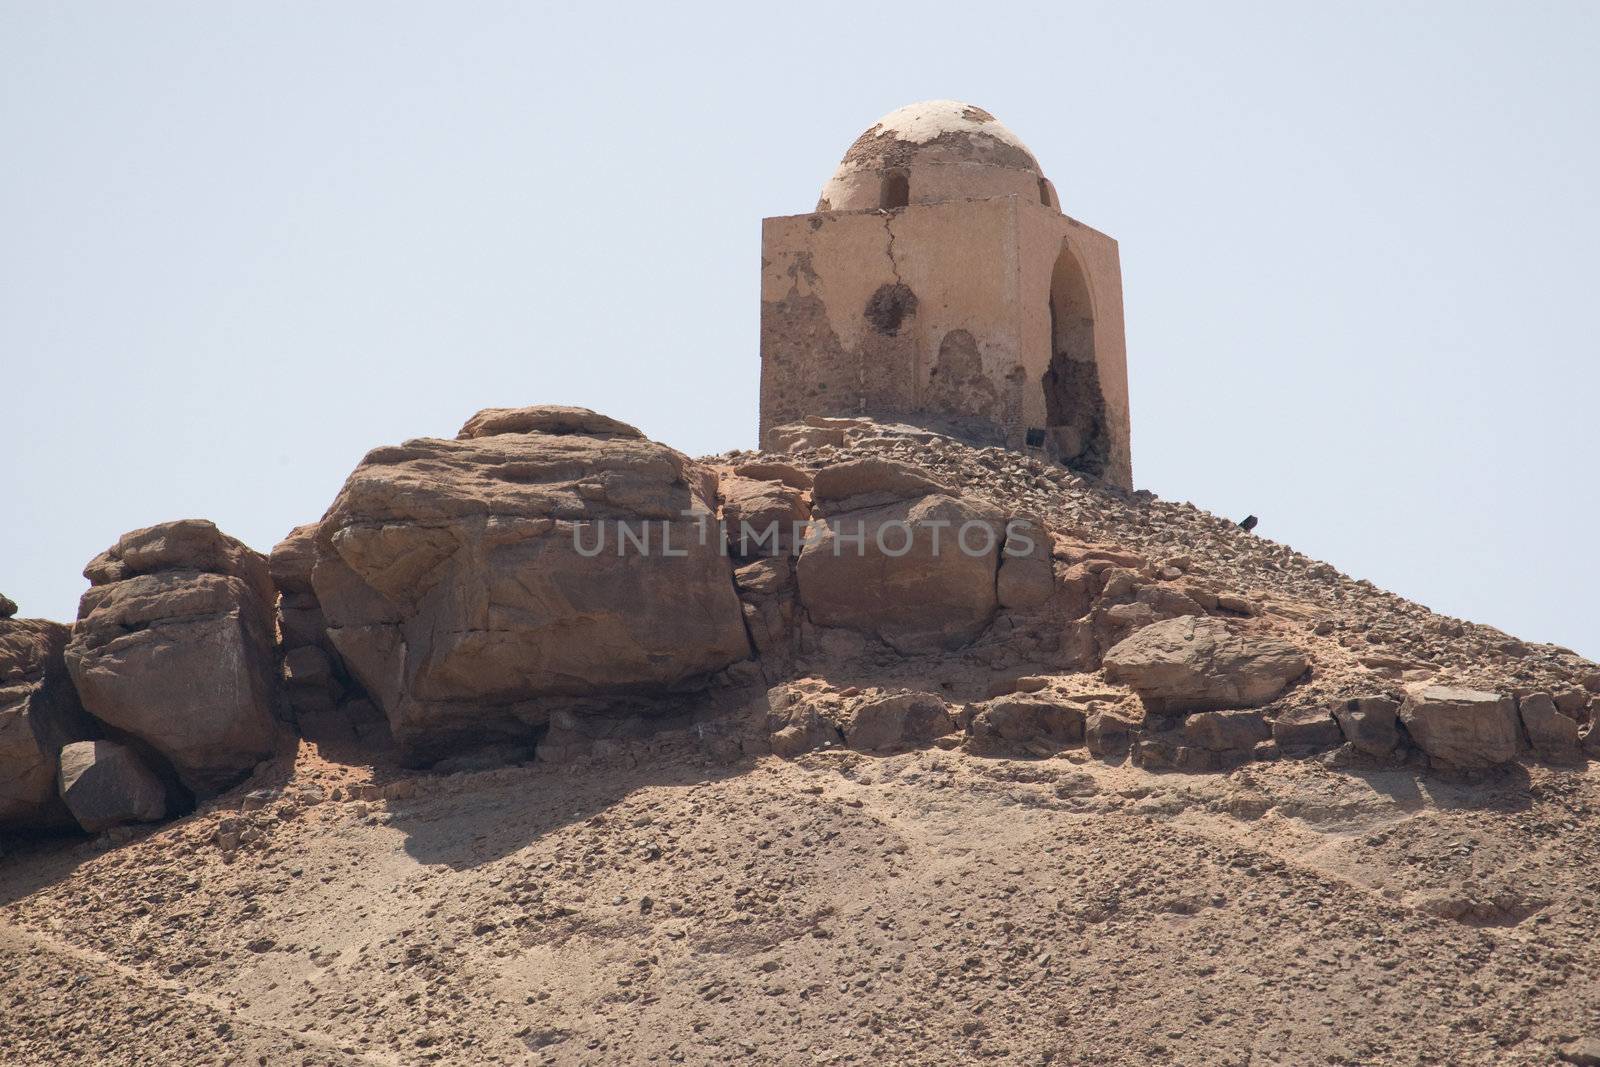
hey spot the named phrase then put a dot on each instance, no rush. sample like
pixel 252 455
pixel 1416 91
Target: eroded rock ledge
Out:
pixel 550 584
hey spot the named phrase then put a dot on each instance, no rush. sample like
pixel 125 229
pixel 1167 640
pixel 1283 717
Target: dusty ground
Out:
pixel 919 908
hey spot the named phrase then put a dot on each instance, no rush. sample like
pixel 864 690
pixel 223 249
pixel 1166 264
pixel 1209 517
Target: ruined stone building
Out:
pixel 939 283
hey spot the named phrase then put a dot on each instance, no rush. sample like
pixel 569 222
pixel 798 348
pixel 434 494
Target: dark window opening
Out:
pixel 1044 193
pixel 896 190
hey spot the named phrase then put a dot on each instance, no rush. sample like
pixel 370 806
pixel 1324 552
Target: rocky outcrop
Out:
pixel 326 703
pixel 39 712
pixel 1462 728
pixel 1189 664
pixel 107 784
pixel 1027 723
pixel 544 554
pixel 796 719
pixel 174 646
pixel 900 557
pixel 886 721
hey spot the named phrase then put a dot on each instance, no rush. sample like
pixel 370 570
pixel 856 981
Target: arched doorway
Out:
pixel 1075 410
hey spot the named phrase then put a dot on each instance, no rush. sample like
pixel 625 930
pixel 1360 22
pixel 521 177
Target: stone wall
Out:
pixel 940 314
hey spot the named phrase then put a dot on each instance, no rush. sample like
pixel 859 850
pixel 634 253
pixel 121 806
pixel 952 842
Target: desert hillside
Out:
pixel 1123 784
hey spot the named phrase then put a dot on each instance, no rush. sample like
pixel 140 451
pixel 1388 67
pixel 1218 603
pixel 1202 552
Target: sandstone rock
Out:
pixel 39 712
pixel 1027 574
pixel 549 419
pixel 1168 602
pixel 291 561
pixel 174 645
pixel 545 554
pixel 774 471
pixel 1199 664
pixel 1371 724
pixel 766 590
pixel 1109 730
pixel 1237 605
pixel 1553 736
pixel 891 720
pixel 795 723
pixel 1161 753
pixel 106 784
pixel 919 574
pixel 760 518
pixel 1226 731
pixel 1462 728
pixel 857 484
pixel 8 607
pixel 796 438
pixel 307 666
pixel 1307 729
pixel 1584 1052
pixel 315 675
pixel 1019 720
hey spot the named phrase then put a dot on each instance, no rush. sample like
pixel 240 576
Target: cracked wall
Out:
pixel 939 315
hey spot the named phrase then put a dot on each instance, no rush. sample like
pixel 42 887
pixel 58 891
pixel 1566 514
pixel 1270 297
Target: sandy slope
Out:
pixel 918 908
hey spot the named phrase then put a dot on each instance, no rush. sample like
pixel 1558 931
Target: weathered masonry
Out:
pixel 939 283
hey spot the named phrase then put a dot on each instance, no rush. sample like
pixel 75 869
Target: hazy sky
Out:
pixel 242 243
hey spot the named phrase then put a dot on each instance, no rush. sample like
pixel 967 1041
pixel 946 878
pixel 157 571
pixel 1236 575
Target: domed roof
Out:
pixel 942 150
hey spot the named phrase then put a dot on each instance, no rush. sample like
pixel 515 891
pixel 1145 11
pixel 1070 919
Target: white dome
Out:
pixel 933 151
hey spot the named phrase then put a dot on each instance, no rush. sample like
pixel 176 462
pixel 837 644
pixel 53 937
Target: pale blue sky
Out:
pixel 242 243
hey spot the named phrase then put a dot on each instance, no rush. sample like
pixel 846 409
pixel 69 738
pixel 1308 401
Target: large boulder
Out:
pixel 174 645
pixel 39 712
pixel 1191 664
pixel 106 784
pixel 544 554
pixel 1462 728
pixel 900 557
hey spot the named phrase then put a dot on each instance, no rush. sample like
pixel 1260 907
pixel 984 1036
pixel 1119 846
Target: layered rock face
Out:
pixel 39 713
pixel 326 703
pixel 544 555
pixel 901 557
pixel 174 646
